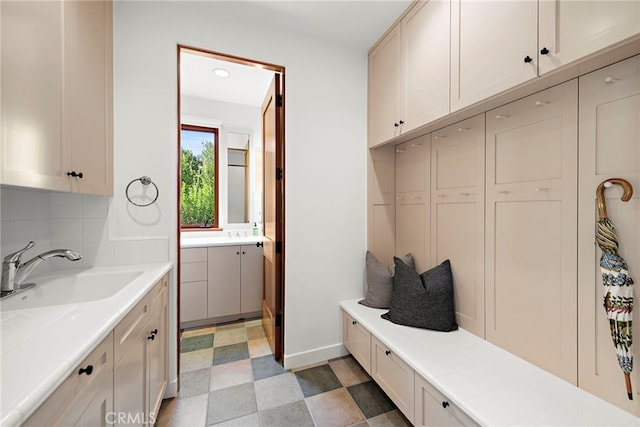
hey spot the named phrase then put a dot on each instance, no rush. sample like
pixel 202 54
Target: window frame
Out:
pixel 216 173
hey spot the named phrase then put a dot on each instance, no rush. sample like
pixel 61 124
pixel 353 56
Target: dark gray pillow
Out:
pixel 380 281
pixel 425 300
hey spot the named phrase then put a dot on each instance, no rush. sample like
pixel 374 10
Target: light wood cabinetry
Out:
pixel 381 203
pixel 394 376
pixel 57 123
pixel 488 53
pixel 157 365
pixel 609 148
pixel 570 30
pixel 193 284
pixel 85 397
pixel 357 340
pixel 412 200
pixel 409 73
pixel 432 408
pixel 457 214
pixel 531 253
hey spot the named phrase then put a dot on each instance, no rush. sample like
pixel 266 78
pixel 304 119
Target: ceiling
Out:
pixel 355 24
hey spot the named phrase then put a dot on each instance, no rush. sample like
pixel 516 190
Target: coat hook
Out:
pixel 626 194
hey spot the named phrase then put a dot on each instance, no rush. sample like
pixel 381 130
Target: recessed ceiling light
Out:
pixel 221 72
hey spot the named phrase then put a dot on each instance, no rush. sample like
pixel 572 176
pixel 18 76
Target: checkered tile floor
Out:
pixel 228 377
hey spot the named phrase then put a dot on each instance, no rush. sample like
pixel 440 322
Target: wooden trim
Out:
pixel 178 229
pixel 230 58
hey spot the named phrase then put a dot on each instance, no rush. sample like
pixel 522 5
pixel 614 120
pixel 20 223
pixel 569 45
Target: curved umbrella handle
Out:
pixel 626 195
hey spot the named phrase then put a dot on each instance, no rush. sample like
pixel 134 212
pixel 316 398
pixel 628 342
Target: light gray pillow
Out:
pixel 380 281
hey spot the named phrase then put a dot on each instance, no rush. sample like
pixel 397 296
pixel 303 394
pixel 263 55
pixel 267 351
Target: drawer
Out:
pixel 70 399
pixel 193 255
pixel 193 272
pixel 432 408
pixel 357 340
pixel 129 329
pixel 193 301
pixel 394 376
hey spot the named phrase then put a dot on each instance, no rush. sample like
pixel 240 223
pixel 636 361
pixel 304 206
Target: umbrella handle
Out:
pixel 626 195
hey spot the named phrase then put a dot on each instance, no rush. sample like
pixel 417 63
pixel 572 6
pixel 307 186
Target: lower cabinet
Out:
pixel 357 340
pixel 433 408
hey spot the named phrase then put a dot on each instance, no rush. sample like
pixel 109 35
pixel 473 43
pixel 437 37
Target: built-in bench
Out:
pixel 457 378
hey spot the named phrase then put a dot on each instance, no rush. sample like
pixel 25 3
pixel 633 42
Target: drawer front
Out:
pixel 193 301
pixel 193 255
pixel 394 376
pixel 357 340
pixel 129 329
pixel 71 398
pixel 432 408
pixel 193 272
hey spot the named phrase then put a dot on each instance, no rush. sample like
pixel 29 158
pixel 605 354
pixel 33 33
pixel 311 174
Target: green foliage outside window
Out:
pixel 197 191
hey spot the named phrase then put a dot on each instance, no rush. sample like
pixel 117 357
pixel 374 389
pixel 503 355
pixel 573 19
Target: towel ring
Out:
pixel 144 180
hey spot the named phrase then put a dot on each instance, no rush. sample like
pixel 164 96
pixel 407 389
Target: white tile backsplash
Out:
pixel 71 221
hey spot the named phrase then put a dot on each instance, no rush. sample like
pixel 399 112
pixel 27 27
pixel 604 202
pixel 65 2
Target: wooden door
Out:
pixel 609 148
pixel 570 30
pixel 273 249
pixel 531 233
pixel 457 214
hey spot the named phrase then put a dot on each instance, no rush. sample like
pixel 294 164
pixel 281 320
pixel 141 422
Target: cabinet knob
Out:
pixel 387 352
pixel 401 122
pixel 544 51
pixel 353 322
pixel 75 174
pixel 396 125
pixel 151 337
pixel 88 370
pixel 238 253
pixel 154 332
pixel 527 59
pixel 445 404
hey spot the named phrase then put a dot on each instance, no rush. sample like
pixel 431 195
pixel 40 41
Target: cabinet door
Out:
pixel 394 376
pixel 88 94
pixel 384 73
pixel 609 147
pixel 251 279
pixel 457 215
pixel 531 253
pixel 412 200
pixel 488 54
pixel 425 55
pixel 157 367
pixel 100 411
pixel 435 409
pixel 570 30
pixel 193 301
pixel 357 340
pixel 33 149
pixel 224 281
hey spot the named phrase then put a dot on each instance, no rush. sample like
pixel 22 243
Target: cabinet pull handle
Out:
pixel 88 370
pixel 538 189
pixel 387 352
pixel 353 322
pixel 445 404
pixel 503 192
pixel 399 150
pixel 154 332
pixel 151 337
pixel 259 244
pixel 465 194
pixel 75 174
pixel 544 51
pixel 527 59
pixel 416 145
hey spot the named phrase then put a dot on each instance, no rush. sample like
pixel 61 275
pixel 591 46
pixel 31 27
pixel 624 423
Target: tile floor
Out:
pixel 228 377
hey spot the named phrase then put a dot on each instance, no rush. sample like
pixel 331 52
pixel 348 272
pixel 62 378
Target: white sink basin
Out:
pixel 69 289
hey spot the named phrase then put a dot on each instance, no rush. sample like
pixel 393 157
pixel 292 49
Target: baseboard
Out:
pixel 311 357
pixel 172 389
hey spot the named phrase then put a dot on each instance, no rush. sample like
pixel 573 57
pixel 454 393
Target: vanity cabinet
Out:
pixel 357 340
pixel 409 72
pixel 432 408
pixel 140 354
pixel 85 397
pixel 57 125
pixel 193 284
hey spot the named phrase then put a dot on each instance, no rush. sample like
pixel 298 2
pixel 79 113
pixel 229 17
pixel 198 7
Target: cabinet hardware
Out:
pixel 541 189
pixel 527 59
pixel 401 122
pixel 399 150
pixel 259 244
pixel 439 137
pixel 502 192
pixel 353 322
pixel 154 332
pixel 88 370
pixel 465 194
pixel 237 253
pixel 544 51
pixel 463 129
pixel 75 174
pixel 387 352
pixel 416 145
pixel 396 125
pixel 502 117
pixel 151 337
pixel 445 404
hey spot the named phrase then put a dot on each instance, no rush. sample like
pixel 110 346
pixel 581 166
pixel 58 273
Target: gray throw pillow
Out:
pixel 380 281
pixel 425 300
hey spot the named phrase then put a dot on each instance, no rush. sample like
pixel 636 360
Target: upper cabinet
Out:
pixel 493 48
pixel 570 29
pixel 409 73
pixel 57 125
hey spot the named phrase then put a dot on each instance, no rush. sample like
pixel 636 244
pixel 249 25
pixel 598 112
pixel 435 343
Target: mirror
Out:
pixel 238 177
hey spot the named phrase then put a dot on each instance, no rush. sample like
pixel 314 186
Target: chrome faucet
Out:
pixel 14 271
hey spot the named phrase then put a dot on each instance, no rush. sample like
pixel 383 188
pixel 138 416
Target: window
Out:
pixel 198 177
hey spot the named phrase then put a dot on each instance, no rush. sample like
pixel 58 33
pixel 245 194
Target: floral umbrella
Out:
pixel 618 285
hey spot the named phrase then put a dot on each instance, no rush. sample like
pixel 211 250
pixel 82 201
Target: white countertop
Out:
pixel 204 241
pixel 41 346
pixel 491 385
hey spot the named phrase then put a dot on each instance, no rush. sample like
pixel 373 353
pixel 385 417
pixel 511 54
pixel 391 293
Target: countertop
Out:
pixel 41 346
pixel 491 385
pixel 204 241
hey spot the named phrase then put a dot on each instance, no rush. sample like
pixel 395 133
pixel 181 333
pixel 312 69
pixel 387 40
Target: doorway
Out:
pixel 260 170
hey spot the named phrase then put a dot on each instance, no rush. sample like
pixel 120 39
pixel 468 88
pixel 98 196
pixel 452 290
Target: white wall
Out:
pixel 325 144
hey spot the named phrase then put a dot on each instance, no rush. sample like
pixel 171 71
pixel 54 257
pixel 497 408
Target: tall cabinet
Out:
pixel 531 253
pixel 457 214
pixel 609 148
